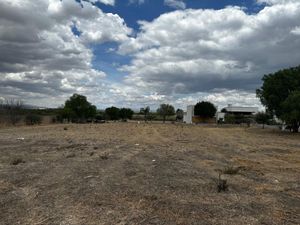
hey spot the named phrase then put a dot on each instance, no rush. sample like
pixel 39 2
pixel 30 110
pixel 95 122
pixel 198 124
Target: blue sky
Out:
pixel 151 9
pixel 136 53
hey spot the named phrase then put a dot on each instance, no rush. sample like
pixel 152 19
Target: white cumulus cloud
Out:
pixel 177 4
pixel 106 2
pixel 190 51
pixel 273 2
pixel 41 57
pixel 180 57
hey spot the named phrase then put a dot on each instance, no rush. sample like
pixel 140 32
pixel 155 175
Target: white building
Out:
pixel 240 110
pixel 236 110
pixel 188 115
pixel 220 116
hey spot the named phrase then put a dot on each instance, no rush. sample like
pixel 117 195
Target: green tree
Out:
pixel 276 89
pixel 126 113
pixel 205 109
pixel 291 110
pixel 145 112
pixel 113 113
pixel 67 113
pixel 78 108
pixel 165 110
pixel 179 114
pixel 262 118
pixel 100 115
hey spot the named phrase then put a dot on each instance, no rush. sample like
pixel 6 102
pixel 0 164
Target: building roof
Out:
pixel 231 108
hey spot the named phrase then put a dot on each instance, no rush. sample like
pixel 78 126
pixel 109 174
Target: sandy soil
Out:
pixel 129 173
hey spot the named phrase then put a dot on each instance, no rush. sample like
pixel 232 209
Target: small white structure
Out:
pixel 220 116
pixel 188 115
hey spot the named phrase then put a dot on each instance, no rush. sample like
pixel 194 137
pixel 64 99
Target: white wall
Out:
pixel 220 115
pixel 188 116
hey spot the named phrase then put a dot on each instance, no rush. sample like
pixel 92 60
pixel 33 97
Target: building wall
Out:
pixel 220 116
pixel 188 116
pixel 241 110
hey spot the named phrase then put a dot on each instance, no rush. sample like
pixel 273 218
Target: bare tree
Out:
pixel 12 108
pixel 1 104
pixel 166 110
pixel 145 112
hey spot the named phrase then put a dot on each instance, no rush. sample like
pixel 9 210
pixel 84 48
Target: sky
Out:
pixel 137 53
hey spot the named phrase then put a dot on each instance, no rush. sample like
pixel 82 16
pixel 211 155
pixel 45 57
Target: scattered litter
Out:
pixel 87 177
pixel 21 139
pixel 137 144
pixel 153 160
pixel 276 181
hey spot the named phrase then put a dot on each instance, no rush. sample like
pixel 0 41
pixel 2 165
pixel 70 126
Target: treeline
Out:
pixel 78 109
pixel 280 94
pixel 14 112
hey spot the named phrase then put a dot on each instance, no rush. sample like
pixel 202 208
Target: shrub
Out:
pixel 33 119
pixel 231 170
pixel 262 118
pixel 17 161
pixel 222 184
pixel 104 156
pixel 126 113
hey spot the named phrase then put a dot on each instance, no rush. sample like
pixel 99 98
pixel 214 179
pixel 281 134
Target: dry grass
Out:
pixel 152 174
pixel 231 170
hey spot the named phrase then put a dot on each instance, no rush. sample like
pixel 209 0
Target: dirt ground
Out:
pixel 129 173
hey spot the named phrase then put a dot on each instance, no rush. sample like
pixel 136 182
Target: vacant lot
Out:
pixel 129 173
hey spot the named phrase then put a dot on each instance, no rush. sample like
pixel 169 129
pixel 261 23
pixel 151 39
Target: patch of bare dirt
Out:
pixel 164 174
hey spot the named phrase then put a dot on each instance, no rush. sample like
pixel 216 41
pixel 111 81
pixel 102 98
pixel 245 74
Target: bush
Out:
pixel 262 118
pixel 12 109
pixel 238 119
pixel 231 170
pixel 229 119
pixel 17 161
pixel 126 113
pixel 33 119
